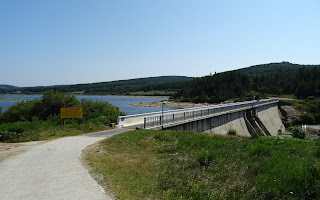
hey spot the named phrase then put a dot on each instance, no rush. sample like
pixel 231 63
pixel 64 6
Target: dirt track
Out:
pixel 52 170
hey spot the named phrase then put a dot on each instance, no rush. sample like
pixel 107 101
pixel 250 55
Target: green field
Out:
pixel 146 164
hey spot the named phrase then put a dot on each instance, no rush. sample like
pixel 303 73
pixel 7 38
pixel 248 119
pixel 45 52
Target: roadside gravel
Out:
pixel 52 170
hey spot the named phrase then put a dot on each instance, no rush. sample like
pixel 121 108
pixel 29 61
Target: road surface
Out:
pixel 52 170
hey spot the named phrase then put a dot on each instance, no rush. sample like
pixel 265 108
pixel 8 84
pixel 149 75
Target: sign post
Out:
pixel 70 113
pixel 118 109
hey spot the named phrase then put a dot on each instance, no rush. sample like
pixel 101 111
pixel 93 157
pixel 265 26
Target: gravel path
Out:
pixel 52 170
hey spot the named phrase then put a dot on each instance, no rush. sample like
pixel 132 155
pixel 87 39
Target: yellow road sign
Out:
pixel 71 112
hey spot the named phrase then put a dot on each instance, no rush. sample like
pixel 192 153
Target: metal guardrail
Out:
pixel 201 112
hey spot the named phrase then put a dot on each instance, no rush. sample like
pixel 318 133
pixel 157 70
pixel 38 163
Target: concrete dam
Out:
pixel 249 118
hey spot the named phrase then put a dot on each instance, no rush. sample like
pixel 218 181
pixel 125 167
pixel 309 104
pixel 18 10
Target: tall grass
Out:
pixel 148 164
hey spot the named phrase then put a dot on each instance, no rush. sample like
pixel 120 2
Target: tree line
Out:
pixel 122 87
pixel 301 82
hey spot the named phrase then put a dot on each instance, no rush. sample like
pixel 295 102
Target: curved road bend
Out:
pixel 52 170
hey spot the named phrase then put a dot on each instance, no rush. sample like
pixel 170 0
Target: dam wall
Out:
pixel 269 116
pixel 249 118
pixel 264 118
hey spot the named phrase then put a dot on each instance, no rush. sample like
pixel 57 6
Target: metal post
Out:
pixel 162 110
pixel 173 117
pixel 145 121
pixel 162 113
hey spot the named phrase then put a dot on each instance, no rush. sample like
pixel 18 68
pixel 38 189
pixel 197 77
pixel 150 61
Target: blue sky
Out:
pixel 44 42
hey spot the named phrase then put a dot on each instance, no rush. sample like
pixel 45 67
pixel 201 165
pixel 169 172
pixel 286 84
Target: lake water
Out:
pixel 119 101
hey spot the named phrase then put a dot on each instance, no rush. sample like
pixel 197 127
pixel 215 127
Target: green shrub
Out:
pixel 1 118
pixel 206 158
pixel 102 109
pixel 52 101
pixel 22 111
pixel 298 132
pixel 232 132
pixel 12 131
pixel 257 133
pixel 304 119
pixel 259 150
pixel 55 120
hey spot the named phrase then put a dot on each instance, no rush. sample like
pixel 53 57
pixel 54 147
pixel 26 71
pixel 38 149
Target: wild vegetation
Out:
pixel 310 109
pixel 40 118
pixel 147 164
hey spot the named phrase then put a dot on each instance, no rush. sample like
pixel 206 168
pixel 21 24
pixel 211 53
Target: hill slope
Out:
pixel 7 87
pixel 271 68
pixel 275 78
pixel 122 87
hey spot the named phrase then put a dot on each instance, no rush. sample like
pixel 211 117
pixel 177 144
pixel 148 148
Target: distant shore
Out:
pixel 10 99
pixel 169 104
pixel 111 95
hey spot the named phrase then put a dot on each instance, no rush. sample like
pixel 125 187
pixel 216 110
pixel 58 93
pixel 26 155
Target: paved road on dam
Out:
pixel 52 170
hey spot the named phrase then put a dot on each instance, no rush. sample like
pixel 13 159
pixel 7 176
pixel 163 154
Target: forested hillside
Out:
pixel 271 68
pixel 7 87
pixel 122 87
pixel 300 81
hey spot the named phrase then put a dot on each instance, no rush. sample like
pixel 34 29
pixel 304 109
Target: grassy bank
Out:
pixel 146 164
